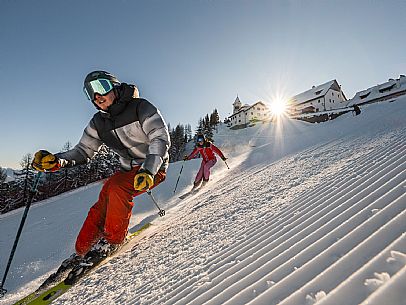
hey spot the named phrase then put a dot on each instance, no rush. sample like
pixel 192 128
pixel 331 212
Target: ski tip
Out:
pixel 144 227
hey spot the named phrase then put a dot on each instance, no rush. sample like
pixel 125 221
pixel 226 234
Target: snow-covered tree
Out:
pixel 25 177
pixel 106 162
pixel 208 130
pixel 67 146
pixel 178 141
pixel 3 175
pixel 14 194
pixel 214 118
pixel 200 126
pixel 188 132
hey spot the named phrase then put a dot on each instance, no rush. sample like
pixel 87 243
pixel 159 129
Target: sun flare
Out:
pixel 278 107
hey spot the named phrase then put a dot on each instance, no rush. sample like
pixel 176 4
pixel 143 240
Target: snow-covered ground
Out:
pixel 307 213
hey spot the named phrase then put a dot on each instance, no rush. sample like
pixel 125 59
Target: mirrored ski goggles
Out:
pixel 101 86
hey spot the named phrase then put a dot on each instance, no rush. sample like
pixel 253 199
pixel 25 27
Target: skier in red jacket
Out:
pixel 206 150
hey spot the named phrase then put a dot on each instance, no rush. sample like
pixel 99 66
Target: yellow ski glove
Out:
pixel 143 180
pixel 45 161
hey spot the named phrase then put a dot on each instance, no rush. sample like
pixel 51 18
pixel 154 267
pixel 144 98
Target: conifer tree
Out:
pixel 67 146
pixel 188 132
pixel 200 127
pixel 24 178
pixel 208 131
pixel 178 141
pixel 214 118
pixel 3 175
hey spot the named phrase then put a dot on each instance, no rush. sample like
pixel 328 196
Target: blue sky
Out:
pixel 186 57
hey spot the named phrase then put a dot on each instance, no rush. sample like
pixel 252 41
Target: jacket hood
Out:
pixel 124 94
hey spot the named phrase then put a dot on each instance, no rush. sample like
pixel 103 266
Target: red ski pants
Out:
pixel 110 215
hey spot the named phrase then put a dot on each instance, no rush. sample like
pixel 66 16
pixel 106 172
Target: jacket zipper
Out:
pixel 204 153
pixel 115 132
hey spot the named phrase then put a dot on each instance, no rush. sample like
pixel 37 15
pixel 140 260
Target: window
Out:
pixel 318 101
pixel 258 108
pixel 332 93
pixel 362 96
pixel 239 115
pixel 386 88
pixel 239 121
pixel 252 113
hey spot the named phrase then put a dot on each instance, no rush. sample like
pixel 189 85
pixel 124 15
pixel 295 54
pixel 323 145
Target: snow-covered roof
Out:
pixel 247 107
pixel 386 86
pixel 392 87
pixel 315 92
pixel 259 102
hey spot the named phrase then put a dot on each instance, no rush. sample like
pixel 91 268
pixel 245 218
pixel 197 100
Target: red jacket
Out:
pixel 207 151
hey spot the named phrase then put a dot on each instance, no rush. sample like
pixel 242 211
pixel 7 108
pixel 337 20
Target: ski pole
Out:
pixel 226 164
pixel 161 212
pixel 33 192
pixel 177 181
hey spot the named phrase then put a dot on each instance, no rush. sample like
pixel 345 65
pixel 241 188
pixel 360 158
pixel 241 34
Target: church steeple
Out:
pixel 237 105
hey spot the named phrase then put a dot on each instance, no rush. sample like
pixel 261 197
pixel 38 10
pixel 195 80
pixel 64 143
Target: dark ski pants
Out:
pixel 110 215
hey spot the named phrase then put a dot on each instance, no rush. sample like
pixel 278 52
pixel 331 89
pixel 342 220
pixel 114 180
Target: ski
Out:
pixel 192 192
pixel 54 286
pixel 187 194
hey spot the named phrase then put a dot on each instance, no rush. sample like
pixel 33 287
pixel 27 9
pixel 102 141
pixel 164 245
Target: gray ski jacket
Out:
pixel 132 127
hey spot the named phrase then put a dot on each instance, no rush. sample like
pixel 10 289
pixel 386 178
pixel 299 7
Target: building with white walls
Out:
pixel 243 115
pixel 324 97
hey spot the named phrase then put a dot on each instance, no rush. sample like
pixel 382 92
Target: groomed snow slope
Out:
pixel 325 224
pixel 312 213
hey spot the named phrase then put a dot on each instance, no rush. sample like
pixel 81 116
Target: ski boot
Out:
pixel 103 248
pixel 94 257
pixel 204 183
pixel 66 266
pixel 196 186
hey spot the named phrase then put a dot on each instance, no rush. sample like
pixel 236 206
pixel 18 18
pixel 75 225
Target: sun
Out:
pixel 278 107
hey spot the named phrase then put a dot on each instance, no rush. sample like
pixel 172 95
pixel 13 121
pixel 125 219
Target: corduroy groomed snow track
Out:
pixel 324 224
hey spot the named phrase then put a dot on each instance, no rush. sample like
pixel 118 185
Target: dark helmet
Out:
pixel 200 138
pixel 105 83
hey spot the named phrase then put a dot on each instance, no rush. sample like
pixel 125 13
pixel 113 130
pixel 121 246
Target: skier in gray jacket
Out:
pixel 136 131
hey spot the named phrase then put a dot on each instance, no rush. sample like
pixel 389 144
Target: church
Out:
pixel 243 115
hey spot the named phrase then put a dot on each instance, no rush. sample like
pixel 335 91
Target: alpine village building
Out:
pixel 244 115
pixel 325 97
pixel 388 91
